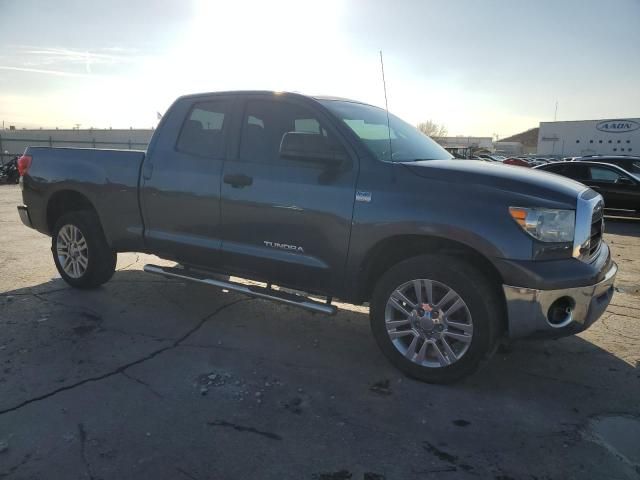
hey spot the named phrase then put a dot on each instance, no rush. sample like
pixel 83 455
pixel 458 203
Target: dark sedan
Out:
pixel 628 163
pixel 619 188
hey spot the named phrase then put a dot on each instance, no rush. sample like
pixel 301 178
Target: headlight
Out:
pixel 546 224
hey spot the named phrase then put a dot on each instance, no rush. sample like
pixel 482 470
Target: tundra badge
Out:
pixel 283 246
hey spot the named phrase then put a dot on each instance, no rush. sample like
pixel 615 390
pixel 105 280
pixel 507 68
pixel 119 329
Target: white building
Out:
pixel 508 148
pixel 14 142
pixel 463 141
pixel 590 137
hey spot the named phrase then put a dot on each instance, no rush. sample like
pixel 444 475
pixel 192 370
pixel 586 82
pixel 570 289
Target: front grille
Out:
pixel 597 229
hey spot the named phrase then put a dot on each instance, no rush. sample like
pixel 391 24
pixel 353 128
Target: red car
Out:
pixel 517 161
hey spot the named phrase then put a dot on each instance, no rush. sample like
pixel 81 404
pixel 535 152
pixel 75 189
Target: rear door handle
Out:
pixel 147 170
pixel 238 180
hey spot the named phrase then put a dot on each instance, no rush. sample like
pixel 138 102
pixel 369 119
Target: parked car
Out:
pixel 628 163
pixel 316 194
pixel 491 158
pixel 619 188
pixel 517 161
pixel 533 161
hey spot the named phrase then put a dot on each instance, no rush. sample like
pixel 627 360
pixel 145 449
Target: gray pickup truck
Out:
pixel 333 198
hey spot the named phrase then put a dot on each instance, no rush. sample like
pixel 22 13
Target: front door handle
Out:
pixel 238 180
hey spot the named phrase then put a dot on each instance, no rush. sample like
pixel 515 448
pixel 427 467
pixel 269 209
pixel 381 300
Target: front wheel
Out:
pixel 80 251
pixel 436 318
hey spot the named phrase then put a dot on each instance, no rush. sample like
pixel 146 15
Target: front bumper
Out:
pixel 528 309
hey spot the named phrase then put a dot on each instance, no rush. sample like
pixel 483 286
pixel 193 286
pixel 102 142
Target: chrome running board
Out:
pixel 251 290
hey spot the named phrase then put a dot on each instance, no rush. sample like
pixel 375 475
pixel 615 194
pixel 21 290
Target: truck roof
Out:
pixel 272 92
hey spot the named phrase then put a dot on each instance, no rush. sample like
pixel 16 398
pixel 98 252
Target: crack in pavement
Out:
pixel 143 383
pixel 83 443
pixel 452 460
pixel 185 473
pixel 624 306
pixel 13 469
pixel 63 289
pixel 622 315
pixel 126 366
pixel 244 429
pixel 26 294
pixel 609 328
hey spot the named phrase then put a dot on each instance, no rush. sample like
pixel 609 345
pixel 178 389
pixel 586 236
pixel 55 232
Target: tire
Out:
pixel 100 260
pixel 479 318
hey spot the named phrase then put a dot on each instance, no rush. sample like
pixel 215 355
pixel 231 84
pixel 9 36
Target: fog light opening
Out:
pixel 560 312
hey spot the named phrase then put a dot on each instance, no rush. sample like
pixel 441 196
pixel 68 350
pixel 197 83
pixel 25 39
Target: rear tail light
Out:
pixel 24 162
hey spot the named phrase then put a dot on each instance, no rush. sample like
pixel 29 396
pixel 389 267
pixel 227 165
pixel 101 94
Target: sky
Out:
pixel 480 68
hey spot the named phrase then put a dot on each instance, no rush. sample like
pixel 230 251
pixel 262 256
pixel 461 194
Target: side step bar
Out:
pixel 251 290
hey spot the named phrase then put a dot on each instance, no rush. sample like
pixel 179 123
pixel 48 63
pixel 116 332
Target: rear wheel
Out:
pixel 80 251
pixel 435 318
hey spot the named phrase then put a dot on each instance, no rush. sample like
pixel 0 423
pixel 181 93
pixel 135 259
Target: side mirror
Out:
pixel 310 147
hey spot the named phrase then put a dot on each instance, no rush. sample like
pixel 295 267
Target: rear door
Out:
pixel 180 189
pixel 287 220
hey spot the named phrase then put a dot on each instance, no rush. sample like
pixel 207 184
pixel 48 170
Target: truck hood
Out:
pixel 508 178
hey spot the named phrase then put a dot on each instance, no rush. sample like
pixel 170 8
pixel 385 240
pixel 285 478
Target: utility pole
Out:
pixel 555 115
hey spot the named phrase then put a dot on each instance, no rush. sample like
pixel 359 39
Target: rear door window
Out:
pixel 204 130
pixel 602 174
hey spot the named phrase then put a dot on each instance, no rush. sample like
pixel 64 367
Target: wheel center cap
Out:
pixel 427 316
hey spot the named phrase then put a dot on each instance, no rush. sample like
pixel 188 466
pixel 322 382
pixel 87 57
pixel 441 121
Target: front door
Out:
pixel 618 189
pixel 287 220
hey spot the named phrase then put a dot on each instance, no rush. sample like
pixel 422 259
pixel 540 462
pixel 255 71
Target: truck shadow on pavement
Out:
pixel 197 365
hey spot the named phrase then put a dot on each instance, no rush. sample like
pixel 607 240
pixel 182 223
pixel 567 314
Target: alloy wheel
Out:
pixel 428 323
pixel 72 251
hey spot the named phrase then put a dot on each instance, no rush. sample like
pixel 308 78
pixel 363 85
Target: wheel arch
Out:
pixel 65 201
pixel 395 249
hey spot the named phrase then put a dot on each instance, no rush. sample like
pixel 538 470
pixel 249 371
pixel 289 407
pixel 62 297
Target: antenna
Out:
pixel 386 106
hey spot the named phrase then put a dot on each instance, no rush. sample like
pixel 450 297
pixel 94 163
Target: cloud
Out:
pixel 65 61
pixel 40 70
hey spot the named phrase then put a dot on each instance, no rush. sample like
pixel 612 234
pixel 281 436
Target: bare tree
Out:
pixel 432 129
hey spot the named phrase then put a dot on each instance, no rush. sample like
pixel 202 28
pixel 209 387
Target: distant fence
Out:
pixel 14 142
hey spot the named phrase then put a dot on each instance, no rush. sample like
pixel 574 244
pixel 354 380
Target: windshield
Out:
pixel 632 167
pixel 370 125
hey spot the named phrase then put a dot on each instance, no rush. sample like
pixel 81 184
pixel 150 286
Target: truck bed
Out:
pixel 107 178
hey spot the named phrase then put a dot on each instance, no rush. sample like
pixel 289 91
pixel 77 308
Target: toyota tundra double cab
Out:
pixel 334 198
